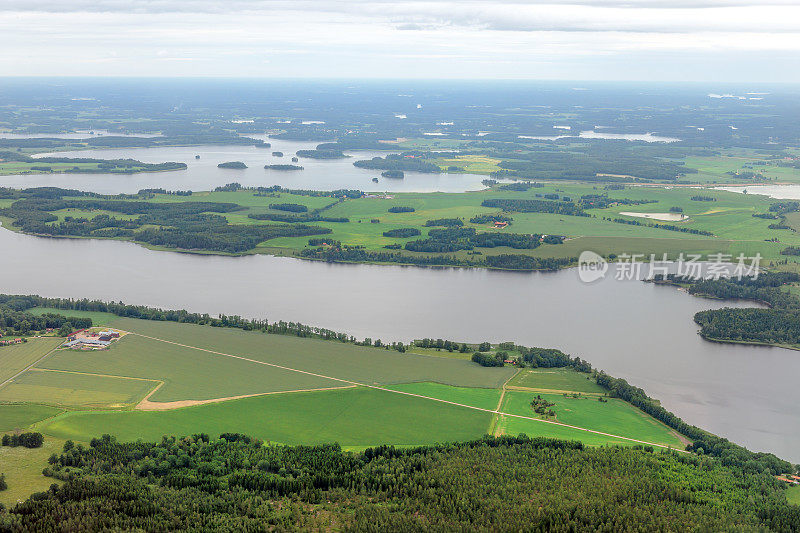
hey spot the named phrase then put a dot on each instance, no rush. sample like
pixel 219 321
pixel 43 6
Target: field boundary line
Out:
pixel 553 391
pixel 9 380
pixel 146 405
pixel 494 428
pixel 93 374
pixel 482 409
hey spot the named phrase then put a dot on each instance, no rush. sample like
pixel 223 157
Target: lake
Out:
pixel 780 192
pixel 638 331
pixel 203 174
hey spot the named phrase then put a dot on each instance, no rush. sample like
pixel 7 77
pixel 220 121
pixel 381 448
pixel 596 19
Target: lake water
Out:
pixel 634 330
pixel 202 174
pixel 781 192
pixel 79 134
pixel 590 134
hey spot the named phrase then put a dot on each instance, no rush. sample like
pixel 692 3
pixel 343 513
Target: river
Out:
pixel 203 174
pixel 634 330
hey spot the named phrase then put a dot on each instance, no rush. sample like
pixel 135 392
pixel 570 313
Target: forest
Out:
pixel 778 323
pixel 235 483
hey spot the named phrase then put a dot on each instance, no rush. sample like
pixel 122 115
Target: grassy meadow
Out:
pixel 15 357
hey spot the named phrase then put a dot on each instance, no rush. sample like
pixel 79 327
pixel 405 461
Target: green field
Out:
pixel 793 494
pixel 615 416
pixel 19 416
pixel 558 379
pixel 23 470
pixel 422 399
pixel 352 417
pixel 18 356
pixel 71 389
pixel 191 374
pixel 475 397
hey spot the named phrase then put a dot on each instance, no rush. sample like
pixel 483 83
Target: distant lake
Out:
pixel 638 331
pixel 590 134
pixel 79 134
pixel 202 174
pixel 781 192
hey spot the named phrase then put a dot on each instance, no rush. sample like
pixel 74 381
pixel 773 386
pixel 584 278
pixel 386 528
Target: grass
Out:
pixel 793 494
pixel 21 416
pixel 615 417
pixel 558 379
pixel 70 389
pixel 18 356
pixel 23 470
pixel 121 376
pixel 98 318
pixel 352 417
pixel 483 398
pixel 190 374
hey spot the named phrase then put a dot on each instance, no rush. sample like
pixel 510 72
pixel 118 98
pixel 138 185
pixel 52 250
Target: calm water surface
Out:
pixel 202 174
pixel 634 330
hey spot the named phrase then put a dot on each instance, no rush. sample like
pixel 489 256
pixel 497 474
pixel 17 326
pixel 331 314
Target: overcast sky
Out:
pixel 684 40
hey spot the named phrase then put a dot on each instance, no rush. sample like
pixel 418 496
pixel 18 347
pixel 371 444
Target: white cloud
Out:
pixel 577 39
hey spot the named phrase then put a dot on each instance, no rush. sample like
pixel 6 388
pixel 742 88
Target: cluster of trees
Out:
pixel 316 241
pixel 402 233
pixel 520 186
pixel 233 164
pixel 452 239
pixel 357 254
pixel 283 167
pixel 602 201
pixel 31 439
pixel 524 205
pixel 526 262
pixel 701 198
pixel 292 208
pixel 490 219
pixel 408 161
pixel 15 321
pixel 321 154
pixel 401 209
pixel 446 222
pixel 542 407
pixel 487 359
pixel 392 174
pixel 517 483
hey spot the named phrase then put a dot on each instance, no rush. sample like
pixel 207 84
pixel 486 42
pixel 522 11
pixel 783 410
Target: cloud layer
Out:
pixel 577 39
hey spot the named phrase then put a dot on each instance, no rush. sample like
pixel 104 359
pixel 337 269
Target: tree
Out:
pixel 65 330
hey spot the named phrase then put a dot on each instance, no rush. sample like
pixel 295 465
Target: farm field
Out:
pixel 557 379
pixel 23 469
pixel 614 416
pixel 181 368
pixel 75 389
pixel 22 415
pixel 18 356
pixel 352 417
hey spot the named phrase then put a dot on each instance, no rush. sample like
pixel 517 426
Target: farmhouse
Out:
pixel 88 340
pixel 9 342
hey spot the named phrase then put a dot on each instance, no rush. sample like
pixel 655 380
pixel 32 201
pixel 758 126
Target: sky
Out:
pixel 651 40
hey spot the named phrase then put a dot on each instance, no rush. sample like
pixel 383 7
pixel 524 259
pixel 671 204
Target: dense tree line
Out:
pixel 237 165
pixel 113 166
pixel 235 483
pixel 452 239
pixel 14 321
pixel 411 161
pixel 524 205
pixel 485 359
pixel 321 154
pixel 31 439
pixel 447 222
pixel 401 209
pixel 402 233
pixel 490 219
pixel 602 201
pixel 292 208
pixel 283 167
pixel 526 262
